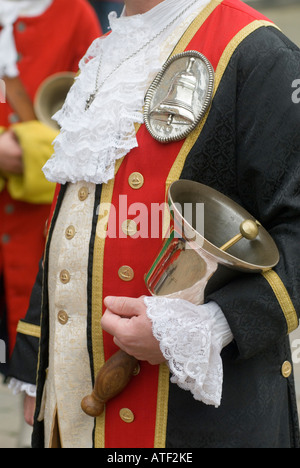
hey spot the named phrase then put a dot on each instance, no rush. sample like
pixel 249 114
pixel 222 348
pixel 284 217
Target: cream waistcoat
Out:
pixel 69 376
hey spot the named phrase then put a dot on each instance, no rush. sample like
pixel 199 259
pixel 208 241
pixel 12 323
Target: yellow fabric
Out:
pixel 36 141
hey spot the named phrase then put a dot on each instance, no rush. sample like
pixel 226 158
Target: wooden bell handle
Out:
pixel 111 380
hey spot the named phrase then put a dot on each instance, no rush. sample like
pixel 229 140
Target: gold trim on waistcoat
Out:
pixel 97 299
pixel 284 299
pixel 162 407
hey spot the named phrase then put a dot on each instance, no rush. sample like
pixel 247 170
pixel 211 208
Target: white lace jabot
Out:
pixel 90 142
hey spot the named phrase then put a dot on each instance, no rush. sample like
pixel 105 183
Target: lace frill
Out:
pixel 92 140
pixel 16 386
pixel 191 339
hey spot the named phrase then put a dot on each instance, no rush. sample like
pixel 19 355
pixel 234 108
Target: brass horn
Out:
pixel 51 96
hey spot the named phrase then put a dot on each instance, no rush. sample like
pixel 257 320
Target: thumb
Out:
pixel 124 306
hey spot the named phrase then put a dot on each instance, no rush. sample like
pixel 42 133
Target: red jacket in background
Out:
pixel 51 43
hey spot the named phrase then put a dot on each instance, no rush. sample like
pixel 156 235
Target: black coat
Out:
pixel 250 150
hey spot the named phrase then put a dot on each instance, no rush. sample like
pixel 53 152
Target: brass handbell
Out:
pixel 194 263
pixel 177 106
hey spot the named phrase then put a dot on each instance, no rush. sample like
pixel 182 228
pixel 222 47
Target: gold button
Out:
pixel 129 227
pixel 70 232
pixel 126 415
pixel 62 317
pixel 64 276
pixel 136 180
pixel 286 369
pixel 126 273
pixel 83 193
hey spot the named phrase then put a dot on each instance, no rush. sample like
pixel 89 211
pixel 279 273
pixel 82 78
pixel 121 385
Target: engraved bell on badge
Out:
pixel 177 108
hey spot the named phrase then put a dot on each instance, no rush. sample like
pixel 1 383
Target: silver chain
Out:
pixel 98 85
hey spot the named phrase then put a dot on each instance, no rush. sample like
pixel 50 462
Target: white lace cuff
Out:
pixel 16 386
pixel 191 339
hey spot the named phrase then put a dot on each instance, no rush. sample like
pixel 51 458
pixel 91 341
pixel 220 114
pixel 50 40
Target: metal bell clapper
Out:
pixel 249 229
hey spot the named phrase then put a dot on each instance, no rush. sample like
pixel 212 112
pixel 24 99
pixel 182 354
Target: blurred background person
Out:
pixel 38 38
pixel 104 7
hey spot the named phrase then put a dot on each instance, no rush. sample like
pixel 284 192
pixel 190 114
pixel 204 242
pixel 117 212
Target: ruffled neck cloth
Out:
pixel 91 141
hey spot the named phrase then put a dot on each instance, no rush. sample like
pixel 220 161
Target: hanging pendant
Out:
pixel 90 101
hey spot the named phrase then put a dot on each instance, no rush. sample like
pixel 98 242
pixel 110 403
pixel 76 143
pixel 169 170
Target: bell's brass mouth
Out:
pixel 196 259
pixel 230 232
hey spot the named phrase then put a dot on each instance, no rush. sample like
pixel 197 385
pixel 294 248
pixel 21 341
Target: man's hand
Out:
pixel 29 409
pixel 126 319
pixel 11 154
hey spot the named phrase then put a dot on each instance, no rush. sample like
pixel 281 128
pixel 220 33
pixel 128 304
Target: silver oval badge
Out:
pixel 179 96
